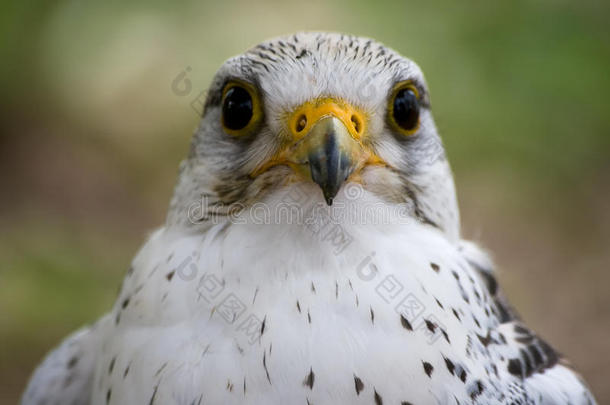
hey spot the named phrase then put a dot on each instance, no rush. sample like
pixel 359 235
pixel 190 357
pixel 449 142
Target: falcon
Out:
pixel 311 255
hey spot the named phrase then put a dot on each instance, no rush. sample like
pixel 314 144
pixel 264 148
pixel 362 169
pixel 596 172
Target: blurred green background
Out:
pixel 91 134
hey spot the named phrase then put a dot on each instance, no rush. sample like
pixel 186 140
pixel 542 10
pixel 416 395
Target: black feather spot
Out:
pixel 490 281
pixel 265 367
pixel 514 367
pixel 428 368
pixel 405 323
pixel 485 340
pixel 72 362
pixel 309 379
pixel 125 303
pixel 439 303
pixel 154 394
pixel 358 384
pixel 476 390
pixel 445 335
pixel 463 375
pixel 304 52
pixel 450 365
pixel 378 400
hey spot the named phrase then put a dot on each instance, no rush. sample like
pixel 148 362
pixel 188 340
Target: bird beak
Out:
pixel 326 136
pixel 332 154
pixel 324 143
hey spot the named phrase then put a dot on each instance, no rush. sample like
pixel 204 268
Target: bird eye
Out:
pixel 239 108
pixel 404 108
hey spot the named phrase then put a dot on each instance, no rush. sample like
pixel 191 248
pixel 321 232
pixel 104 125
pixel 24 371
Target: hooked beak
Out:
pixel 330 153
pixel 325 144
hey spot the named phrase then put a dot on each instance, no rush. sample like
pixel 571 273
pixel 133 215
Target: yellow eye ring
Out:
pixel 241 108
pixel 404 108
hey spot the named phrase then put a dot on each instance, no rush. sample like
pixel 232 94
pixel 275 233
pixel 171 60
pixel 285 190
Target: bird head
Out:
pixel 319 109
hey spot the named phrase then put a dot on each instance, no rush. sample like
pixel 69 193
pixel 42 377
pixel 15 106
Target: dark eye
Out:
pixel 405 109
pixel 237 108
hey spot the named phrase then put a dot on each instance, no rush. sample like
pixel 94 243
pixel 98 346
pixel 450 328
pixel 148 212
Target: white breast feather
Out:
pixel 333 332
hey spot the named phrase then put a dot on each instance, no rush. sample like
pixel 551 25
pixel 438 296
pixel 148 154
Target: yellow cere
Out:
pixel 301 123
pixel 305 116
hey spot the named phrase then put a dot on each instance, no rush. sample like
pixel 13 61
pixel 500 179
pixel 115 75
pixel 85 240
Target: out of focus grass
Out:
pixel 91 135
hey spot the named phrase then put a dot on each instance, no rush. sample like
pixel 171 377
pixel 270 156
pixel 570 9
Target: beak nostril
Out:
pixel 356 123
pixel 301 123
